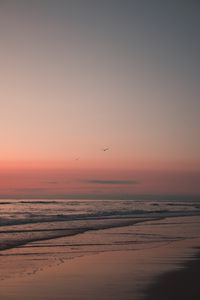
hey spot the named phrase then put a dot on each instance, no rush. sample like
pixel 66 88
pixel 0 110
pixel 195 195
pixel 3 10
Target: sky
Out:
pixel 80 76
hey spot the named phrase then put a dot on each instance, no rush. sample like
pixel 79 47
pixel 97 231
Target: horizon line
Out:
pixel 102 196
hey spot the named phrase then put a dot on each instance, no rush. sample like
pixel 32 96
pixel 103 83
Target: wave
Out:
pixel 30 221
pixel 25 236
pixel 100 215
pixel 40 202
pixel 53 234
pixel 31 202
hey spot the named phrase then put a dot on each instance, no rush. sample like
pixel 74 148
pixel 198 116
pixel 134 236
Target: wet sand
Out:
pixel 119 275
pixel 183 284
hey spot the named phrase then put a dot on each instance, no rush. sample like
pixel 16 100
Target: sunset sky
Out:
pixel 79 76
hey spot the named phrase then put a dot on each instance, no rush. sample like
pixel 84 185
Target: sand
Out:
pixel 120 275
pixel 181 284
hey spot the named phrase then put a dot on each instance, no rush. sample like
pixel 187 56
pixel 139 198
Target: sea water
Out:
pixel 38 233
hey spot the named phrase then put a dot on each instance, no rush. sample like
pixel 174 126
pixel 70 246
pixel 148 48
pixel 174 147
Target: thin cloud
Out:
pixel 29 190
pixel 111 182
pixel 51 182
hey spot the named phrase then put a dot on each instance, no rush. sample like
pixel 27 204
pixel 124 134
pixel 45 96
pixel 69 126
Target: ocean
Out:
pixel 42 233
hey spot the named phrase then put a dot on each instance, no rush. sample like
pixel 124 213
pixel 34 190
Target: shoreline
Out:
pixel 92 266
pixel 177 284
pixel 119 275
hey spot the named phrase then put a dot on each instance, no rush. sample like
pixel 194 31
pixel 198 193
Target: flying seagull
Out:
pixel 105 149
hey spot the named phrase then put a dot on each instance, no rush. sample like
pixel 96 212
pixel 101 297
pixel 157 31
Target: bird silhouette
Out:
pixel 105 149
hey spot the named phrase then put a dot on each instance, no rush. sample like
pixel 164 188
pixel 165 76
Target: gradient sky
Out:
pixel 77 76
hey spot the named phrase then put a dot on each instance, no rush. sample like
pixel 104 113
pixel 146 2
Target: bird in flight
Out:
pixel 105 149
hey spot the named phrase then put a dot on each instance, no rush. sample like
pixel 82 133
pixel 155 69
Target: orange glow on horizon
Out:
pixel 78 162
pixel 44 180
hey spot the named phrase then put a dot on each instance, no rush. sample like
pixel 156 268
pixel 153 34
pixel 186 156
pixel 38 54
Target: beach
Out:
pixel 100 150
pixel 179 284
pixel 146 272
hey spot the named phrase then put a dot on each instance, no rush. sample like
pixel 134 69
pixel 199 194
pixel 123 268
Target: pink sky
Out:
pixel 81 182
pixel 72 85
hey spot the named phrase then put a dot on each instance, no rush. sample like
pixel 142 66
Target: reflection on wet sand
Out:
pixel 100 268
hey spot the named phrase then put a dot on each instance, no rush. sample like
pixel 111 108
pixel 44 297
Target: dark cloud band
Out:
pixel 97 181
